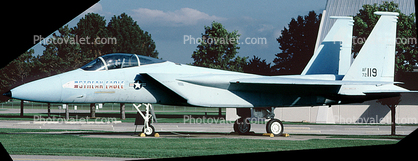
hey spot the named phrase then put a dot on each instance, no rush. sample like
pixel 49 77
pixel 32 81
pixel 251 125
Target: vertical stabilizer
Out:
pixel 376 59
pixel 333 54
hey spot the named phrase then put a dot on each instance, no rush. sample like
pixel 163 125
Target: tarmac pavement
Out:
pixel 221 126
pixel 211 128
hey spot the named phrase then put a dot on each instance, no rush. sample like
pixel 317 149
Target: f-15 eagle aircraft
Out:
pixel 327 79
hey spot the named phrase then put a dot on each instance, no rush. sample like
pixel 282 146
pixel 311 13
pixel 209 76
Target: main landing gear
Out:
pixel 243 126
pixel 148 129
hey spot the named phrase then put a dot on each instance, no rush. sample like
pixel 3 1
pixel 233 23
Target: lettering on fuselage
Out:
pixel 95 84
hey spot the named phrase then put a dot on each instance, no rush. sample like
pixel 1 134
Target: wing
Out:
pixel 157 81
pixel 197 91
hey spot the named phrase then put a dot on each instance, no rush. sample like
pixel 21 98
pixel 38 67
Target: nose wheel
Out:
pixel 149 130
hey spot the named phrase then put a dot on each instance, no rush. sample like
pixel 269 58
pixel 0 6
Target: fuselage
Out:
pixel 130 78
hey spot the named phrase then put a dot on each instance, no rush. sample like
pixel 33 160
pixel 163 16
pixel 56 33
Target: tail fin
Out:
pixel 376 59
pixel 333 55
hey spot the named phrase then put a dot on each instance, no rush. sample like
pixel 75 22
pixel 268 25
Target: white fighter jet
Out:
pixel 328 79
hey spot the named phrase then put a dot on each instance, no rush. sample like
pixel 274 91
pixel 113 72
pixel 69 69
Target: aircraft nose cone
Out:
pixel 8 94
pixel 43 90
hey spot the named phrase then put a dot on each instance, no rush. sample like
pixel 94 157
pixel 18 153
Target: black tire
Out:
pixel 275 127
pixel 242 126
pixel 149 133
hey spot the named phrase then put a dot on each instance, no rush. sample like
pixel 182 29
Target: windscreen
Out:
pixel 95 65
pixel 118 61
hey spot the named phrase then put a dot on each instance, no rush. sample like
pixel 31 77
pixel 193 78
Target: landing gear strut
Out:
pixel 243 126
pixel 148 129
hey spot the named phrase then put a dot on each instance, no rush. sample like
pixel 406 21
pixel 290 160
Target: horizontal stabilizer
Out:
pixel 388 89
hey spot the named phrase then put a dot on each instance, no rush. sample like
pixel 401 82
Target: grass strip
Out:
pixel 75 145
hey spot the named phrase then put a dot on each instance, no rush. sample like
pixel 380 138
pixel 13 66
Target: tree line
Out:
pixel 296 44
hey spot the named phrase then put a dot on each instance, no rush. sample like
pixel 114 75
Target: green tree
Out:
pixel 17 70
pixel 62 53
pixel 218 49
pixel 365 20
pixel 90 27
pixel 130 37
pixel 258 66
pixel 297 43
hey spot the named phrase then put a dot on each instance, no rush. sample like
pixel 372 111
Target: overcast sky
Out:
pixel 170 22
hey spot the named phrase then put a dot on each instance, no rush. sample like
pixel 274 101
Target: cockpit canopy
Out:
pixel 119 60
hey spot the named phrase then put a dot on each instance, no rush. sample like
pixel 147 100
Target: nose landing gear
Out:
pixel 148 129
